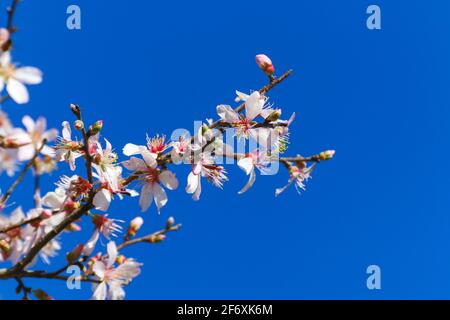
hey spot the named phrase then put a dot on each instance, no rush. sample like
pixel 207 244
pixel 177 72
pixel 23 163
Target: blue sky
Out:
pixel 380 98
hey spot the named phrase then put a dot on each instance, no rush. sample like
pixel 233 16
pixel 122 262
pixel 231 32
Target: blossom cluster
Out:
pixel 101 175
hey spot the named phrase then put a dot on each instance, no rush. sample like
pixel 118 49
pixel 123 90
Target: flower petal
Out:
pixel 168 180
pixel 17 91
pixel 28 75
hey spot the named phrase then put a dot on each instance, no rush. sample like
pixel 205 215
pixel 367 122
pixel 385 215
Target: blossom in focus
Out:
pixel 152 177
pixel 255 159
pixel 245 124
pixel 113 278
pixel 265 64
pixel 68 150
pixel 204 167
pixel 15 78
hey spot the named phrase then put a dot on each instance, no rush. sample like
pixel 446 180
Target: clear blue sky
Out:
pixel 380 98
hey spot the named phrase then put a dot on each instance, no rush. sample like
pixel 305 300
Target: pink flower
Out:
pixel 68 150
pixel 297 176
pixel 256 159
pixel 151 176
pixel 113 278
pixel 245 125
pixel 204 167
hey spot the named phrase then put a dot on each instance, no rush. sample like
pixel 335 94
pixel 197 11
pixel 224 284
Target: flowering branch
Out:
pixel 25 237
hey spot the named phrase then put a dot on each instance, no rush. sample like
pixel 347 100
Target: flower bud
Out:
pixel 78 124
pixel 5 246
pixel 157 238
pixel 327 155
pixel 96 127
pixel 265 64
pixel 41 295
pixel 170 222
pixel 75 254
pixel 134 226
pixel 70 206
pixel 75 109
pixel 120 259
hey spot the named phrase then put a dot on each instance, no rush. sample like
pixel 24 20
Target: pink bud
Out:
pixel 265 64
pixel 46 214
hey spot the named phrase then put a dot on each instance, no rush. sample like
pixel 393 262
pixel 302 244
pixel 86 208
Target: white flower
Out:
pixel 251 161
pixel 15 78
pixel 37 133
pixel 68 150
pixel 299 176
pixel 245 125
pixel 152 177
pixel 113 278
pixel 204 167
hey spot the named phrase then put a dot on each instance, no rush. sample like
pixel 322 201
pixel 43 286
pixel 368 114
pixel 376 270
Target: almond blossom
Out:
pixel 297 176
pixel 16 78
pixel 256 159
pixel 204 167
pixel 152 177
pixel 68 150
pixel 245 124
pixel 113 278
pixel 37 133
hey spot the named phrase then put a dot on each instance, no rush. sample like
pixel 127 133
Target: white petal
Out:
pixel 227 114
pixel 102 200
pixel 17 91
pixel 146 197
pixel 250 182
pixel 246 164
pixel 99 269
pixel 90 245
pixel 168 180
pixel 253 106
pixel 241 96
pixel 100 292
pixel 28 75
pixel 112 253
pixel 192 182
pixel 66 132
pixel 25 153
pixel 116 291
pixel 149 158
pixel 28 123
pixel 5 59
pixel 131 149
pixel 135 164
pixel 160 196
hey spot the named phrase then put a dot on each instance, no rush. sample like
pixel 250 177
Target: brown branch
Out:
pixel 149 238
pixel 25 222
pixel 77 111
pixel 11 11
pixel 19 179
pixel 52 234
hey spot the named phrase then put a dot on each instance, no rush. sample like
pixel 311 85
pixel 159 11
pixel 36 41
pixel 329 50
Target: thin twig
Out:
pixel 11 11
pixel 149 238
